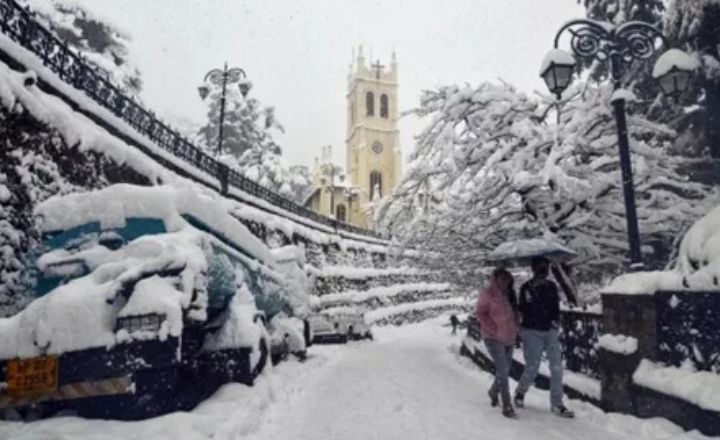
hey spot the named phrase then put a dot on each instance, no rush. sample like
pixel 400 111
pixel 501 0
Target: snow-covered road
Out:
pixel 408 384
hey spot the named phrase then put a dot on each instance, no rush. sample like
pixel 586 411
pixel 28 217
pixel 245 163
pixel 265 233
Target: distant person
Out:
pixel 539 305
pixel 497 314
pixel 454 322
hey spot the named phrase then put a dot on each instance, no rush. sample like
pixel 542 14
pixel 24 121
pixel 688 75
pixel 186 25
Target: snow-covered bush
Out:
pixel 95 38
pixel 35 163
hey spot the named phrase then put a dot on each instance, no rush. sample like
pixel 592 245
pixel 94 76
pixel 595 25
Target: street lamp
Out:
pixel 222 78
pixel 672 71
pixel 619 46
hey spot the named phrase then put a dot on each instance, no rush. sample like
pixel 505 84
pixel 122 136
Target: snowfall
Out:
pixel 410 383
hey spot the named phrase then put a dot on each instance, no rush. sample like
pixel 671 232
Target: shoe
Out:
pixel 519 400
pixel 561 411
pixel 509 412
pixel 493 399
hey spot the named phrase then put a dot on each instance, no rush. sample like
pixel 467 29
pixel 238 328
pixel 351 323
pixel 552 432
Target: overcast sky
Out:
pixel 296 52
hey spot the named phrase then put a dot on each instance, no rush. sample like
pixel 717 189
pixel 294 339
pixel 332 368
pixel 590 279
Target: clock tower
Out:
pixel 372 140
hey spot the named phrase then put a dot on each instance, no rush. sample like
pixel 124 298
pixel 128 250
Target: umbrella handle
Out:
pixel 565 283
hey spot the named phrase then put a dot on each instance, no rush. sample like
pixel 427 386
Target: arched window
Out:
pixel 370 103
pixel 340 213
pixel 375 184
pixel 383 106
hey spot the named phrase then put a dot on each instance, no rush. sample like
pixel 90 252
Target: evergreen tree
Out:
pixel 246 124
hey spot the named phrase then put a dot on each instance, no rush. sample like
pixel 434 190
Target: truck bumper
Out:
pixel 98 382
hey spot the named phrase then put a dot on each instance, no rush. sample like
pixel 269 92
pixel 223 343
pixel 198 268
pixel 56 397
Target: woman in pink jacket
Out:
pixel 496 312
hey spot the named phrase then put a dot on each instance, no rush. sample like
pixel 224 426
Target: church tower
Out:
pixel 373 139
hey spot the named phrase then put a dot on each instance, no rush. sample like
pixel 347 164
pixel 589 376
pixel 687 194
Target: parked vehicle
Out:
pixel 288 337
pixel 147 300
pixel 339 325
pixel 353 325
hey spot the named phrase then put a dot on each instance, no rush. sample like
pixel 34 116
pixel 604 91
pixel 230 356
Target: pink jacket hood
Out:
pixel 496 316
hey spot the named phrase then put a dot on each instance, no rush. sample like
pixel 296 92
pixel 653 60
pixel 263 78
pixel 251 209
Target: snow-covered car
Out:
pixel 339 325
pixel 325 329
pixel 287 335
pixel 353 325
pixel 147 300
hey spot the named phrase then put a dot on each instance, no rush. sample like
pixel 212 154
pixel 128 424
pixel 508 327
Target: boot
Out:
pixel 493 398
pixel 509 412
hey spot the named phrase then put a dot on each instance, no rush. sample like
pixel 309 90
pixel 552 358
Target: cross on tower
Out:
pixel 378 68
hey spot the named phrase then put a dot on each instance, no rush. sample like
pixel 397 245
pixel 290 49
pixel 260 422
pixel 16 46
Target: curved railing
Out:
pixel 19 24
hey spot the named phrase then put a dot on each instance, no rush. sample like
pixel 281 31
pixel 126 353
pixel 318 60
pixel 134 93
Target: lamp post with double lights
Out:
pixel 221 78
pixel 619 47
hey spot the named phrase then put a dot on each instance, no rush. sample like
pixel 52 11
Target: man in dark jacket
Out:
pixel 454 321
pixel 539 305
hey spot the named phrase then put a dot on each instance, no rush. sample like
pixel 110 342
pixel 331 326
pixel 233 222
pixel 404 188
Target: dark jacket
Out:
pixel 539 304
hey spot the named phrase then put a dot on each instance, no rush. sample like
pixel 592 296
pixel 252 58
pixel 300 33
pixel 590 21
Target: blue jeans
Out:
pixel 535 342
pixel 501 355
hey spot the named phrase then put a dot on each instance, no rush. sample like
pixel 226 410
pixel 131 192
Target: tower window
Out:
pixel 370 103
pixel 375 184
pixel 384 106
pixel 340 213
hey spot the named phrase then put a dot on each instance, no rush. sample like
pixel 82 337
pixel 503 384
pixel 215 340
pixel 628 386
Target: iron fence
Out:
pixel 579 336
pixel 20 25
pixel 687 329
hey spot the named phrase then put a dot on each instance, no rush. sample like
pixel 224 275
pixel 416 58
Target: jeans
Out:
pixel 501 355
pixel 535 342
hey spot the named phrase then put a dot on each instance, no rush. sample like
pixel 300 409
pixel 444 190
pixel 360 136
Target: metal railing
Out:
pixel 579 335
pixel 687 329
pixel 20 25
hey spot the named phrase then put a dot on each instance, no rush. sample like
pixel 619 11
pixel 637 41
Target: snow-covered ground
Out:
pixel 410 383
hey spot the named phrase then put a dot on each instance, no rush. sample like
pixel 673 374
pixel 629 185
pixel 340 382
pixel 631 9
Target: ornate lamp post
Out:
pixel 221 78
pixel 619 46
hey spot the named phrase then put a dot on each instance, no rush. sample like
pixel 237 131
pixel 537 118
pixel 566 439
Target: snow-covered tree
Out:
pixel 263 164
pixel 620 11
pixel 300 182
pixel 692 26
pixel 247 124
pixel 99 41
pixel 489 168
pixel 248 143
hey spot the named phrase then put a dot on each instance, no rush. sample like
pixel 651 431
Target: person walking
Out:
pixel 539 305
pixel 496 312
pixel 454 321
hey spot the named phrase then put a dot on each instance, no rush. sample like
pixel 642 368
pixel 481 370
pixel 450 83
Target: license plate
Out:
pixel 32 376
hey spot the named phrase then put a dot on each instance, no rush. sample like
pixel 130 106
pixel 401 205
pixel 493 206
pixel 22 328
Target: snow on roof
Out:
pixel 557 56
pixel 111 206
pixel 674 58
